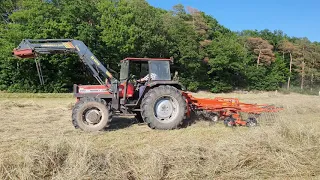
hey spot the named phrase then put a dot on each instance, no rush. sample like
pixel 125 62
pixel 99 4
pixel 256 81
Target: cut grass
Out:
pixel 39 142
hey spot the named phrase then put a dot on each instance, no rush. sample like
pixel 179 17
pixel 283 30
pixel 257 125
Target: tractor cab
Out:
pixel 152 68
pixel 139 73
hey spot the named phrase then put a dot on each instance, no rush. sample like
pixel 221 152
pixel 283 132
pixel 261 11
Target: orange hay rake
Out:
pixel 229 109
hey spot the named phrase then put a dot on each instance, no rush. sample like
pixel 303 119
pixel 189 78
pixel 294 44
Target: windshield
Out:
pixel 161 69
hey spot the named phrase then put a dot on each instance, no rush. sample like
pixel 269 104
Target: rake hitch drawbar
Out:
pixel 229 109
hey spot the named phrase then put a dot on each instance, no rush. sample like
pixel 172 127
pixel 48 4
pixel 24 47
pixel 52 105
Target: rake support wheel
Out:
pixel 229 122
pixel 251 122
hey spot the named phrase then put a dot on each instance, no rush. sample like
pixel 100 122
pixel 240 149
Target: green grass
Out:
pixel 36 95
pixel 306 91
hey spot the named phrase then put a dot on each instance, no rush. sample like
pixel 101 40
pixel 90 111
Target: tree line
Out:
pixel 207 55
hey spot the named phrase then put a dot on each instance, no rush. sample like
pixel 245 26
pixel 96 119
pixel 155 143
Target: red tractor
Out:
pixel 155 99
pixel 145 89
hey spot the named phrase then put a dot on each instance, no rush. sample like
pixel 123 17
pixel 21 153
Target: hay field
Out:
pixel 38 141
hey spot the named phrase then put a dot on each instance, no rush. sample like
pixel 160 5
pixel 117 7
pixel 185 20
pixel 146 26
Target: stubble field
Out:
pixel 38 141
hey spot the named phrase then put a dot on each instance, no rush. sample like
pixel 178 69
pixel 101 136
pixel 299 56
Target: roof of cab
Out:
pixel 148 59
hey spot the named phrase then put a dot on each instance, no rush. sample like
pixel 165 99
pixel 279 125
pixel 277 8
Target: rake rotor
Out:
pixel 229 109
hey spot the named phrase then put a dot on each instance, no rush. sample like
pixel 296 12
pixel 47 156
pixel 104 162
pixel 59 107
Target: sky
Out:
pixel 294 17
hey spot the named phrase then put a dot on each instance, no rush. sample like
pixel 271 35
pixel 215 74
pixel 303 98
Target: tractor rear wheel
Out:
pixel 164 108
pixel 90 114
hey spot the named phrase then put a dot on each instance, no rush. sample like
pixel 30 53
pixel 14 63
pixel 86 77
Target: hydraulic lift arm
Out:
pixel 31 48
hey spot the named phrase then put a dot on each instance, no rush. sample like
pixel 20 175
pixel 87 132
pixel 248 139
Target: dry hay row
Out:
pixel 285 145
pixel 281 151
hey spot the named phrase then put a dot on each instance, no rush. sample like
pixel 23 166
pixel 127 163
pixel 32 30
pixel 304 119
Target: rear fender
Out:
pixel 170 83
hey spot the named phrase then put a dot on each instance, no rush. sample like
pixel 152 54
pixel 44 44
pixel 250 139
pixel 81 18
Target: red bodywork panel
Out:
pixel 229 104
pixel 87 89
pixel 104 89
pixel 23 53
pixel 130 90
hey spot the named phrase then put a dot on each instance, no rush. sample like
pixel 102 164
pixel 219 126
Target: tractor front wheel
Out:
pixel 90 114
pixel 164 108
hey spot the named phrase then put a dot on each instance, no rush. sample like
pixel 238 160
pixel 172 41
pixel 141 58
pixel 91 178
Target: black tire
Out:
pixel 252 122
pixel 85 104
pixel 178 107
pixel 229 122
pixel 139 117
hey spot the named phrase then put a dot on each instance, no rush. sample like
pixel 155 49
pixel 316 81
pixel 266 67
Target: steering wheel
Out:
pixel 132 79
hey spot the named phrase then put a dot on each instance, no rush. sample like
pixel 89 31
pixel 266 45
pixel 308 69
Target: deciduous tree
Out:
pixel 262 49
pixel 287 47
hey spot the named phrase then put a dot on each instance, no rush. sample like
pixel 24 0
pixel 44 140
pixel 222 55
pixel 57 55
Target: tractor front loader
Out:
pixel 156 99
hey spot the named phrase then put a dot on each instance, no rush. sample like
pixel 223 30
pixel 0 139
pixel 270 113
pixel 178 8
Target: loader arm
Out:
pixel 31 48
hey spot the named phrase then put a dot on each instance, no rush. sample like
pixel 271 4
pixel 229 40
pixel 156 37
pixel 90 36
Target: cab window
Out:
pixel 161 69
